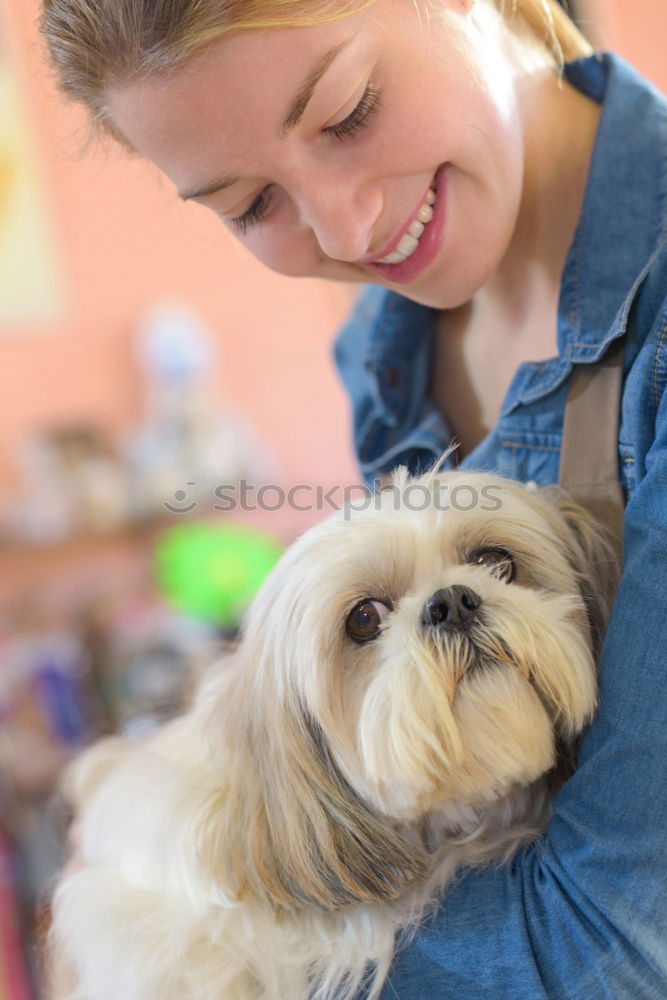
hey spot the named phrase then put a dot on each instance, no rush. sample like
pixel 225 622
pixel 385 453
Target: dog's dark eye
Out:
pixel 499 561
pixel 364 620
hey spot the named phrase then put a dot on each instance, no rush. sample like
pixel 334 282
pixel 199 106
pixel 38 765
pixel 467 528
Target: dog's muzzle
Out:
pixel 452 609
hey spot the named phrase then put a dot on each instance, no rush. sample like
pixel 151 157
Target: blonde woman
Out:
pixel 502 190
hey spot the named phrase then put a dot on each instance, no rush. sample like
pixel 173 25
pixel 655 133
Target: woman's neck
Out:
pixel 514 317
pixel 560 124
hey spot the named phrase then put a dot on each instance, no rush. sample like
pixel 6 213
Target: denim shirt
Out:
pixel 581 914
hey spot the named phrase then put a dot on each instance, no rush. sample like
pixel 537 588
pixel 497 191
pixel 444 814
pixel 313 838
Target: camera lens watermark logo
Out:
pixel 182 505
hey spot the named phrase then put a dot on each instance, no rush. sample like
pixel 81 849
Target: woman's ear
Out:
pixel 284 826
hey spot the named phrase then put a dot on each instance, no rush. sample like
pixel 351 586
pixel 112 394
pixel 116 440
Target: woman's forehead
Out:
pixel 248 84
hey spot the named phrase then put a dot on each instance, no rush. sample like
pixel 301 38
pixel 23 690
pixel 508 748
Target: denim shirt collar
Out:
pixel 624 208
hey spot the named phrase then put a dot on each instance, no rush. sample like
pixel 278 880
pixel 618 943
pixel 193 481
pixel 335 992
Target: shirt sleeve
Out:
pixel 581 914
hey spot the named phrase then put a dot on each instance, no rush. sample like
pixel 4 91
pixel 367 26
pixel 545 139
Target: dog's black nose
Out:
pixel 452 608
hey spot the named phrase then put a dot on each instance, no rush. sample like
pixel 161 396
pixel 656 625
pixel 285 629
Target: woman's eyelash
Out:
pixel 357 119
pixel 242 223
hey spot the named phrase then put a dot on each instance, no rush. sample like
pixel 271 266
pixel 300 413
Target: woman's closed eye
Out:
pixel 358 118
pixel 242 223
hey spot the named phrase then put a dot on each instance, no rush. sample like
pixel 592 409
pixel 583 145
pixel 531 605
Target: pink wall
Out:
pixel 637 30
pixel 125 240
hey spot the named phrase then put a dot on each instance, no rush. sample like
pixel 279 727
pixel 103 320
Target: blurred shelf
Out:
pixel 29 567
pixel 12 547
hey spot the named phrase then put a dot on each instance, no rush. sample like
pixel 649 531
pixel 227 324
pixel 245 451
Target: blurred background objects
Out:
pixel 149 367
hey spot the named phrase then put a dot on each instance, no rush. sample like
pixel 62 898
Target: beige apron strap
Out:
pixel 589 453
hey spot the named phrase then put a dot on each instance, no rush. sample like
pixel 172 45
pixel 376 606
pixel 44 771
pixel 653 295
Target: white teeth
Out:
pixel 410 239
pixel 425 213
pixel 408 244
pixel 392 258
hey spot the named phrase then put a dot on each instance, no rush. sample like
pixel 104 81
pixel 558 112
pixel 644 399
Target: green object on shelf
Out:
pixel 213 571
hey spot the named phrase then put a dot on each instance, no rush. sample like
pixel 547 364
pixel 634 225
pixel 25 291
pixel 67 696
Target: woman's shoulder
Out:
pixel 615 279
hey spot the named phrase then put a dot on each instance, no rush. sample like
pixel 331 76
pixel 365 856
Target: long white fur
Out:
pixel 209 866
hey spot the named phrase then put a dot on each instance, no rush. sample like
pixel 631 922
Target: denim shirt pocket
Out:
pixel 519 454
pixel 533 456
pixel 530 456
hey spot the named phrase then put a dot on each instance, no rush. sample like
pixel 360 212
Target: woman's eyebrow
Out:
pixel 300 103
pixel 292 119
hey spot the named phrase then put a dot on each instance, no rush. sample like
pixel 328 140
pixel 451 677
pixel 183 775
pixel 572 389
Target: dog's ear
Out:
pixel 285 826
pixel 594 555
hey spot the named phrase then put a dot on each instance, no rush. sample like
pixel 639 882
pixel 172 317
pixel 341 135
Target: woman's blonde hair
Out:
pixel 95 43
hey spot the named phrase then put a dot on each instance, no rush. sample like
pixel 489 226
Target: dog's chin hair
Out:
pixel 465 726
pixel 319 796
pixel 501 738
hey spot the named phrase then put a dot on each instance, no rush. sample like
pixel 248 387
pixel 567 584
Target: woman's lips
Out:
pixel 429 241
pixel 390 247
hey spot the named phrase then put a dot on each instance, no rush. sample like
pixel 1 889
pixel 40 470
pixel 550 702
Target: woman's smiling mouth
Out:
pixel 409 241
pixel 418 245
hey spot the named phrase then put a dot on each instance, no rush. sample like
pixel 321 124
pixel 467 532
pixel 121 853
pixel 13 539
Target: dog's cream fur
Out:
pixel 320 793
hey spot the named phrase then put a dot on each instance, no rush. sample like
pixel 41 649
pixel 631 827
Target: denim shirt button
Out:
pixel 532 486
pixel 393 377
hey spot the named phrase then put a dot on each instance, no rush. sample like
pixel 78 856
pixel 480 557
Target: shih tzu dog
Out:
pixel 405 698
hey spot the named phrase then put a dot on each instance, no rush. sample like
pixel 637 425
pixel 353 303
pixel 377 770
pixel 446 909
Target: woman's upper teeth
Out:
pixel 410 239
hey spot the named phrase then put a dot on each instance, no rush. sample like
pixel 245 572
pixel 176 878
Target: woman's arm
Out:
pixel 582 913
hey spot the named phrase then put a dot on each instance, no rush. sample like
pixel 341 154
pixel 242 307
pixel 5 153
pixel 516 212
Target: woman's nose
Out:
pixel 343 219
